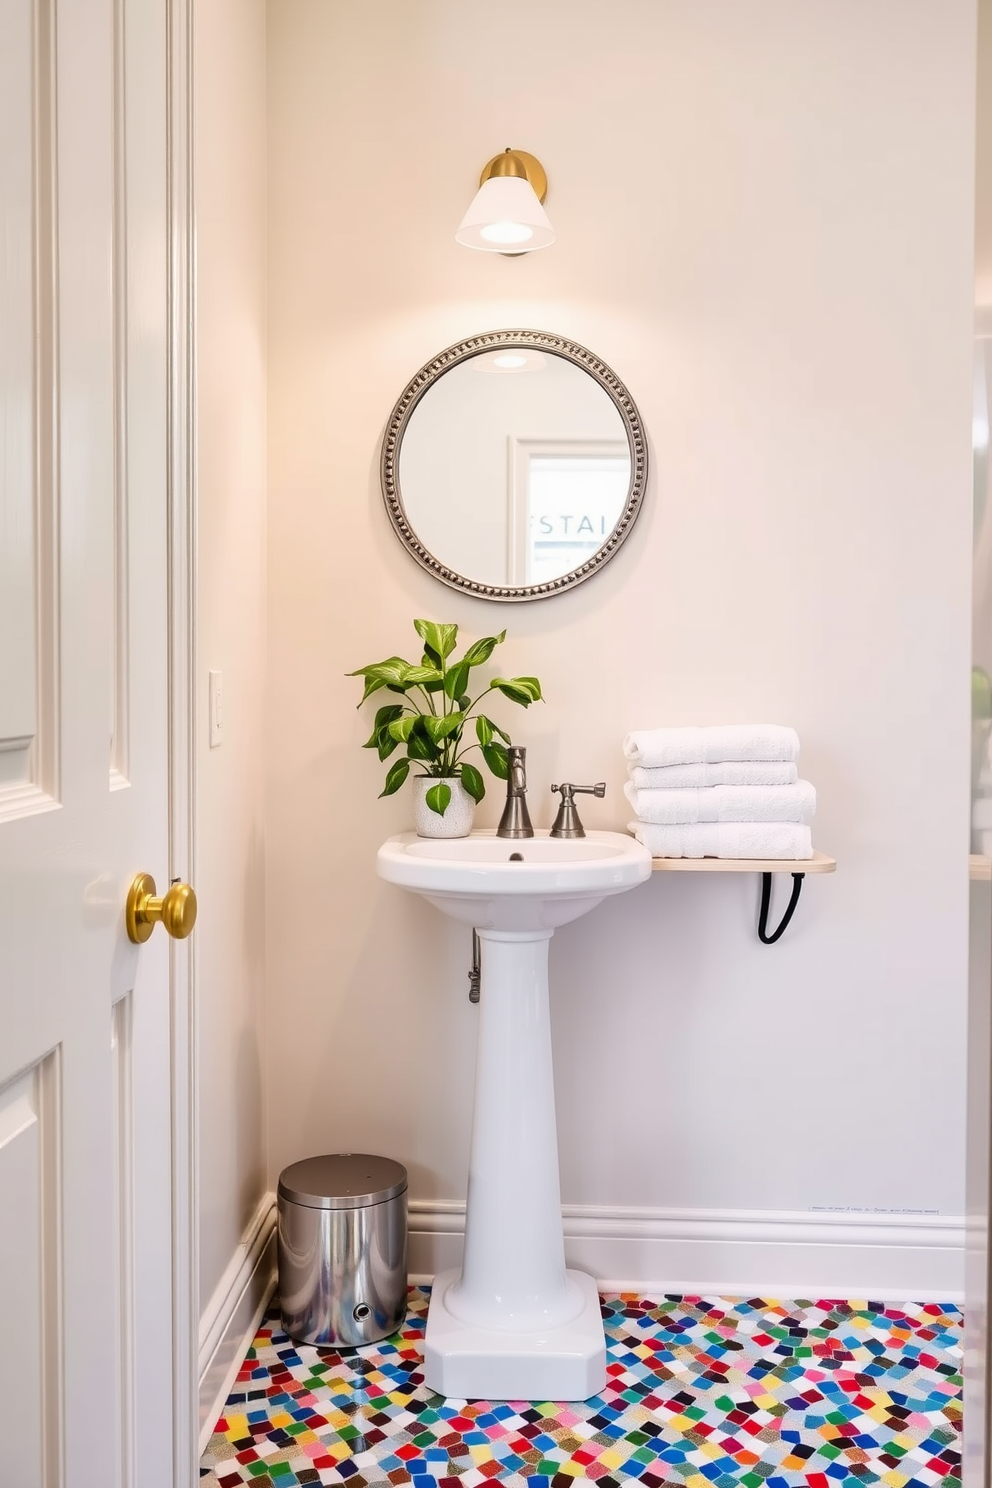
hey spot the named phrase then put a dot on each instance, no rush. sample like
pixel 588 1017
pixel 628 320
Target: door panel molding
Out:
pixel 29 601
pixel 120 666
pixel 31 1382
pixel 122 1083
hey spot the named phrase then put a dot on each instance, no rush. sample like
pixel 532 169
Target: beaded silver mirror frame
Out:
pixel 421 384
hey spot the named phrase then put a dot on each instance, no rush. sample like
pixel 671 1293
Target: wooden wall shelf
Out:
pixel 818 863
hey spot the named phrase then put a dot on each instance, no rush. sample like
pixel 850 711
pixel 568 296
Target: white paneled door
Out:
pixel 90 1367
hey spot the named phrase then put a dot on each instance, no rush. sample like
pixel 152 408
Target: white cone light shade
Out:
pixel 505 216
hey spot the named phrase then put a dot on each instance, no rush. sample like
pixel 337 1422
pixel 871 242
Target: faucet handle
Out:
pixel 567 823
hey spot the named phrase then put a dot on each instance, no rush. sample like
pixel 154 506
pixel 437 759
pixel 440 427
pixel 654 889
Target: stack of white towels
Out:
pixel 731 791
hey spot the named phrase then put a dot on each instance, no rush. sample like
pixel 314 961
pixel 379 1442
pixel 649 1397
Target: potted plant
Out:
pixel 431 721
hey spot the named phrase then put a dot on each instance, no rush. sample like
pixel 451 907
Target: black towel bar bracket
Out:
pixel 766 899
pixel 768 868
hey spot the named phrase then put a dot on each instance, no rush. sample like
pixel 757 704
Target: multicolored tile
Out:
pixel 702 1392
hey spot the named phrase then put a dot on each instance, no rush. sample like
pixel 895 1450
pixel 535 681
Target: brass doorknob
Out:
pixel 176 909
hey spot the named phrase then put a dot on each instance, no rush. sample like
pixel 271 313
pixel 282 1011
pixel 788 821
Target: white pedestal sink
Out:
pixel 514 1324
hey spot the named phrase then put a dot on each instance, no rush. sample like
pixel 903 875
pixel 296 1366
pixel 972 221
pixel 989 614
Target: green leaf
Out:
pixel 439 728
pixel 386 743
pixel 432 660
pixel 390 673
pixel 440 639
pixel 497 759
pixel 372 684
pixel 522 690
pixel 420 745
pixel 464 702
pixel 515 694
pixel 484 730
pixel 437 798
pixel 393 669
pixel 423 674
pixel 456 681
pixel 401 728
pixel 383 716
pixel 395 778
pixel 473 782
pixel 481 651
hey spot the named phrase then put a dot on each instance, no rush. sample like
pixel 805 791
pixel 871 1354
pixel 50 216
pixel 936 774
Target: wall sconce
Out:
pixel 506 215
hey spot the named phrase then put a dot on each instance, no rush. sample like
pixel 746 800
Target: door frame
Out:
pixel 181 561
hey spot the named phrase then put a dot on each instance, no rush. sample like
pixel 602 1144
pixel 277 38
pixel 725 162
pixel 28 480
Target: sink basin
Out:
pixel 500 883
pixel 512 1323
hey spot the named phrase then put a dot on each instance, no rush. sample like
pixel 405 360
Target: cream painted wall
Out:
pixel 765 227
pixel 983 160
pixel 229 43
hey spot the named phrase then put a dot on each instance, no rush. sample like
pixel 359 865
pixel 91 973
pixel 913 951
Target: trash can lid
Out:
pixel 342 1180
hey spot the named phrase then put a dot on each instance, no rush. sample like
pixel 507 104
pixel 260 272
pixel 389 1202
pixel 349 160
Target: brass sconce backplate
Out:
pixel 509 163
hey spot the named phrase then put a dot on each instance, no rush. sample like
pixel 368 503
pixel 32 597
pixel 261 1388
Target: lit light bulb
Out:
pixel 506 232
pixel 508 361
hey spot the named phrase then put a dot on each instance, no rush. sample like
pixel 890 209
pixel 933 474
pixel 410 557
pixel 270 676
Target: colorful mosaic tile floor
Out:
pixel 701 1392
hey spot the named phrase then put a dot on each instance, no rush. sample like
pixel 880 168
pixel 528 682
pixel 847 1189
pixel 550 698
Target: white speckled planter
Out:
pixel 457 819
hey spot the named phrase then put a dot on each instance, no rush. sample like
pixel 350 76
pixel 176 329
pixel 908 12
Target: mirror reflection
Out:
pixel 513 468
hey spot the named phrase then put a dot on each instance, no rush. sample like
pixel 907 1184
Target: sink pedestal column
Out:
pixel 513 1324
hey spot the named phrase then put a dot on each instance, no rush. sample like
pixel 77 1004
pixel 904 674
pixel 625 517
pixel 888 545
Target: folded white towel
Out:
pixel 724 803
pixel 698 746
pixel 726 840
pixel 727 772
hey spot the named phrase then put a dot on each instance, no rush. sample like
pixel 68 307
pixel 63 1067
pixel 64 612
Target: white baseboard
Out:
pixel 737 1252
pixel 231 1317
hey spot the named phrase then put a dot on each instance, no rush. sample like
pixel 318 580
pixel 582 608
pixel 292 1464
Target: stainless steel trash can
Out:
pixel 342 1249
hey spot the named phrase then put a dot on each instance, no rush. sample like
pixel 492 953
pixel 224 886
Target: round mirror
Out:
pixel 513 465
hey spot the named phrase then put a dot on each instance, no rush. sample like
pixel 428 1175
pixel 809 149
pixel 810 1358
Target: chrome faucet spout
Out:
pixel 515 821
